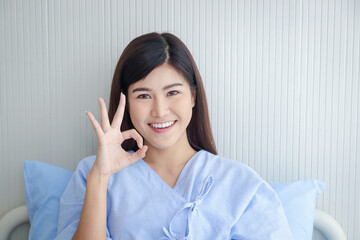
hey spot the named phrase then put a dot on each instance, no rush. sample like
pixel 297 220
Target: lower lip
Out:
pixel 162 130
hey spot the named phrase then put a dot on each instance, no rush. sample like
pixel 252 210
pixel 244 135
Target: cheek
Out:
pixel 185 108
pixel 136 113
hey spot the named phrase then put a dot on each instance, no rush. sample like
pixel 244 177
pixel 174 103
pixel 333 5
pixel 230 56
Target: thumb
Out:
pixel 140 153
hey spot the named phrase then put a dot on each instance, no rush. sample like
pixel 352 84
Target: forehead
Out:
pixel 161 76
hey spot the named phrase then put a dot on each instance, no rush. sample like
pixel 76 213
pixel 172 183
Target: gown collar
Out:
pixel 178 184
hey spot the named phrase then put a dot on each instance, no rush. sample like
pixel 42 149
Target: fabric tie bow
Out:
pixel 190 207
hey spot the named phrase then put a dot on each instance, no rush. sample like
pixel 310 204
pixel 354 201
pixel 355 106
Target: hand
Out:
pixel 111 157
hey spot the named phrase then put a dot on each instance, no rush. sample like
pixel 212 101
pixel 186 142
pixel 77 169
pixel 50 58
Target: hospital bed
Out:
pixel 323 223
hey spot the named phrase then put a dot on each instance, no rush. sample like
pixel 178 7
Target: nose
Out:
pixel 160 107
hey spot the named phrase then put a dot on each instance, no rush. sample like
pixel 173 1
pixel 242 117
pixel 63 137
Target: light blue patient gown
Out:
pixel 214 198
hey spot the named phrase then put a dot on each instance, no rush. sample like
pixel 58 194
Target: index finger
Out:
pixel 119 112
pixel 104 115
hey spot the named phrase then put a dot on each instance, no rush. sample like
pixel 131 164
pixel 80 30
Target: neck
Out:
pixel 169 158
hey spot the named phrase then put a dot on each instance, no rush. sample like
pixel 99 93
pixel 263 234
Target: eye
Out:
pixel 143 96
pixel 172 93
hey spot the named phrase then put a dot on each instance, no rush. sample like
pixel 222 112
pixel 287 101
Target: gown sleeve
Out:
pixel 71 201
pixel 263 218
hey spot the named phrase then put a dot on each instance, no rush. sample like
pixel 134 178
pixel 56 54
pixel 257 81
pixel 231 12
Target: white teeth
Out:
pixel 163 125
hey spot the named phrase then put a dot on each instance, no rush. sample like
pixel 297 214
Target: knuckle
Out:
pixel 136 134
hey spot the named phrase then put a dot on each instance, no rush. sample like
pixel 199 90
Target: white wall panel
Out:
pixel 281 76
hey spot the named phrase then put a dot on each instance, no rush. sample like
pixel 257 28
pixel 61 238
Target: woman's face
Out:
pixel 160 107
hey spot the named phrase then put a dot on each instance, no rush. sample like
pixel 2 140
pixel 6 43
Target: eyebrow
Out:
pixel 166 87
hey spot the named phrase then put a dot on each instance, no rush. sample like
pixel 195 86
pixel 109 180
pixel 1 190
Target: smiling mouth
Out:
pixel 162 125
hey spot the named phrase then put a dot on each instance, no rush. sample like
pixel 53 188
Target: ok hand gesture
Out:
pixel 111 157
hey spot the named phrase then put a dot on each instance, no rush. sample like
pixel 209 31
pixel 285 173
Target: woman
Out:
pixel 156 174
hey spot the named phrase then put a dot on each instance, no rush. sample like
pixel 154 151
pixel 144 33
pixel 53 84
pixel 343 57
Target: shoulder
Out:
pixel 86 164
pixel 238 185
pixel 222 166
pixel 233 177
pixel 211 158
pixel 82 170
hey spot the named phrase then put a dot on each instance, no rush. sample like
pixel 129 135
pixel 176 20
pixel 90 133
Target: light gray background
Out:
pixel 282 81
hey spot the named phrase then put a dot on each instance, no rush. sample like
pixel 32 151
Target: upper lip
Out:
pixel 161 122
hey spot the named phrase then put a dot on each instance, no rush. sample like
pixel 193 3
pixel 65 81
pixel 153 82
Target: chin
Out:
pixel 167 142
pixel 162 146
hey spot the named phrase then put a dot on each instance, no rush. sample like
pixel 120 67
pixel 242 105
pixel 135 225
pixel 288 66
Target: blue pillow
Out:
pixel 44 185
pixel 299 202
